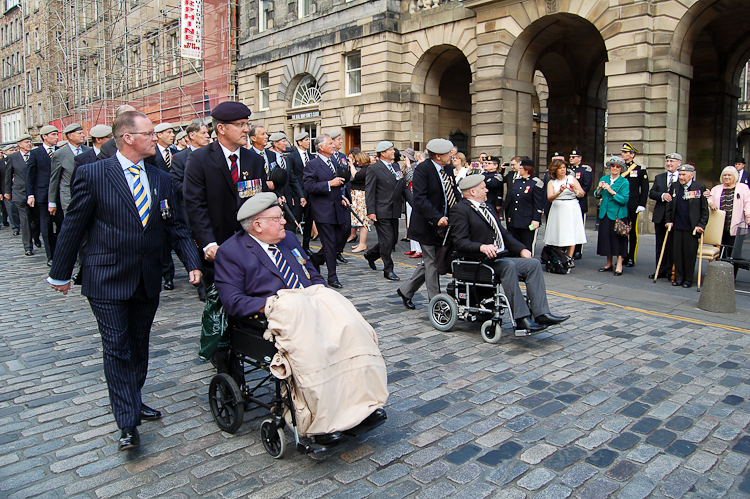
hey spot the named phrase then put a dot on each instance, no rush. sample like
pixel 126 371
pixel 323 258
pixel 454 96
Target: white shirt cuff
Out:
pixel 209 245
pixel 52 205
pixel 30 196
pixel 57 282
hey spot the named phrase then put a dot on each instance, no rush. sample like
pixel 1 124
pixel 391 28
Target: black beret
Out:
pixel 231 111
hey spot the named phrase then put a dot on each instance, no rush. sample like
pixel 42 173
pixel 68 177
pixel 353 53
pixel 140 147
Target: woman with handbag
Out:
pixel 734 198
pixel 614 191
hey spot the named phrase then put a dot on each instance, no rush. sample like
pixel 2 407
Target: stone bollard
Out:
pixel 717 289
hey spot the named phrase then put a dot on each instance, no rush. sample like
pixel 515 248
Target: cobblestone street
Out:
pixel 616 402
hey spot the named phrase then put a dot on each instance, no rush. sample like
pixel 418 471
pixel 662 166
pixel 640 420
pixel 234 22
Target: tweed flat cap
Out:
pixel 48 129
pixel 334 134
pixel 471 181
pixel 163 127
pixel 231 111
pixel 260 202
pixel 277 136
pixel 301 136
pixel 180 135
pixel 439 146
pixel 23 137
pixel 101 131
pixel 383 146
pixel 73 127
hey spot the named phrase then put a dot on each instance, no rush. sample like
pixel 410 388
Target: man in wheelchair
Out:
pixel 477 233
pixel 258 263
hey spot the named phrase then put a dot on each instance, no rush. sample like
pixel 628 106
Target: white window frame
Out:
pixel 264 92
pixel 351 72
pixel 262 15
pixel 304 8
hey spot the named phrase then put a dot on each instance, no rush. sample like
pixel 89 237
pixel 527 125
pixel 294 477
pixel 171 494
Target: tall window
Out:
pixel 264 91
pixel 38 79
pixel 303 8
pixel 135 63
pixel 40 114
pixel 153 60
pixel 174 50
pixel 29 83
pixel 354 74
pixel 262 15
pixel 36 40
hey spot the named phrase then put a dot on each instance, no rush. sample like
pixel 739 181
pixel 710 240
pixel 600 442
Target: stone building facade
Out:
pixel 37 80
pixel 505 77
pixel 12 123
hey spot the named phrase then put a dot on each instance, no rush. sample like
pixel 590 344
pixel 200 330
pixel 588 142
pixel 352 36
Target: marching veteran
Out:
pixel 332 351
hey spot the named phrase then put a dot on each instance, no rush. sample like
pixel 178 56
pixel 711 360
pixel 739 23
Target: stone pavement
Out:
pixel 614 403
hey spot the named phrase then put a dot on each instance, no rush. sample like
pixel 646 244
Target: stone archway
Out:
pixel 570 52
pixel 713 37
pixel 441 80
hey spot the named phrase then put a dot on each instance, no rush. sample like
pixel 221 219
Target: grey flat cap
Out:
pixel 277 136
pixel 334 134
pixel 301 136
pixel 471 181
pixel 73 127
pixel 163 127
pixel 181 135
pixel 440 146
pixel 23 137
pixel 101 131
pixel 675 155
pixel 616 160
pixel 383 146
pixel 409 153
pixel 686 168
pixel 260 202
pixel 48 129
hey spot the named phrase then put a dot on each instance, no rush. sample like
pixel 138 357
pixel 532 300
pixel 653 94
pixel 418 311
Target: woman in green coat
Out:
pixel 614 191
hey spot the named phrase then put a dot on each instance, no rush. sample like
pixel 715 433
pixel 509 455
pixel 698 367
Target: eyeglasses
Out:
pixel 241 125
pixel 147 134
pixel 277 219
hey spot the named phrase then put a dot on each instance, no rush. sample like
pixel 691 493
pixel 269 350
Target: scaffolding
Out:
pixel 105 53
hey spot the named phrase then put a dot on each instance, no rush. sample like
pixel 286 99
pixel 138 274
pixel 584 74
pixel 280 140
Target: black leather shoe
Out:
pixel 606 269
pixel 618 273
pixel 525 323
pixel 391 276
pixel 677 283
pixel 371 262
pixel 577 255
pixel 38 243
pixel 149 414
pixel 340 258
pixel 16 232
pixel 687 284
pixel 306 250
pixel 29 253
pixel 630 263
pixel 407 301
pixel 129 438
pixel 371 422
pixel 335 284
pixel 551 319
pixel 77 278
pixel 49 262
pixel 168 284
pixel 202 294
pixel 330 439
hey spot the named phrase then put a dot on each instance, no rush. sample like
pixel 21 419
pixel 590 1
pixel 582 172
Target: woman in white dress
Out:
pixel 564 222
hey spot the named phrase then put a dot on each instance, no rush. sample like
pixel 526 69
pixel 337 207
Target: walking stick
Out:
pixel 288 212
pixel 661 255
pixel 367 226
pixel 700 263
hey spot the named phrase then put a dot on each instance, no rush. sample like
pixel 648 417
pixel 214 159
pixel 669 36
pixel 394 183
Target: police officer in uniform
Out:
pixel 739 163
pixel 585 176
pixel 526 204
pixel 637 176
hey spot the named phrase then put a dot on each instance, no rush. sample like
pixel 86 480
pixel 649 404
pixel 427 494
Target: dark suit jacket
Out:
pixel 15 177
pixel 325 204
pixel 585 177
pixel 470 231
pixel 87 157
pixel 178 172
pixel 120 252
pixel 38 171
pixel 211 198
pixel 428 202
pixel 638 180
pixel 292 190
pixel 658 188
pixel 158 160
pixel 108 149
pixel 384 195
pixel 697 208
pixel 246 275
pixel 295 161
pixel 745 177
pixel 525 202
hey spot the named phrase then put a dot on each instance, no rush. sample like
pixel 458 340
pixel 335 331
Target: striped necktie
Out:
pixel 78 151
pixel 139 193
pixel 290 276
pixel 50 151
pixel 329 162
pixel 265 163
pixel 449 194
pixel 26 158
pixel 168 158
pixel 491 220
pixel 233 168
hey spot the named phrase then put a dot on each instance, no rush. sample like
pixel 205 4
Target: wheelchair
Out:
pixel 472 295
pixel 249 380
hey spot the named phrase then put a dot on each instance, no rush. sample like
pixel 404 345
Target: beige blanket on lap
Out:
pixel 338 375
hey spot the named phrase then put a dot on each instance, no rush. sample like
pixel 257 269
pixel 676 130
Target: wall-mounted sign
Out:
pixel 191 29
pixel 303 116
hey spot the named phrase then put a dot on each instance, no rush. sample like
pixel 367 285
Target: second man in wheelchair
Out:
pixel 477 232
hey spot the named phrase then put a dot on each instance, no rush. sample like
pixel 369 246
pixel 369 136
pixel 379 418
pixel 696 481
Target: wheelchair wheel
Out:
pixel 443 312
pixel 273 438
pixel 491 333
pixel 226 402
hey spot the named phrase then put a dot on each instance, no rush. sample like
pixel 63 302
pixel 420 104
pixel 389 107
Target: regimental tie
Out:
pixel 395 172
pixel 26 157
pixel 449 194
pixel 139 193
pixel 290 276
pixel 670 180
pixel 168 158
pixel 330 165
pixel 491 220
pixel 78 151
pixel 50 151
pixel 233 169
pixel 265 164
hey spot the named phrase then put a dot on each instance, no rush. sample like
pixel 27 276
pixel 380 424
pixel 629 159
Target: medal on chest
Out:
pixel 249 188
pixel 528 188
pixel 301 261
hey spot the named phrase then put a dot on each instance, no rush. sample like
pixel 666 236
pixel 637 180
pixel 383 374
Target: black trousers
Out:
pixel 49 227
pixel 633 236
pixel 387 230
pixel 34 223
pixel 167 264
pixel 685 254
pixel 524 236
pixel 307 229
pixel 668 259
pixel 125 327
pixel 332 237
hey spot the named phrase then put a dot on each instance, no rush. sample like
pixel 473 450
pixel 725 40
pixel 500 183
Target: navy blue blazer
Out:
pixel 325 203
pixel 120 252
pixel 246 276
pixel 158 160
pixel 85 158
pixel 38 171
pixel 211 199
pixel 429 202
pixel 178 172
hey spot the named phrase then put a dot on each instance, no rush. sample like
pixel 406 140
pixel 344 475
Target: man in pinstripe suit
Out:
pixel 125 207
